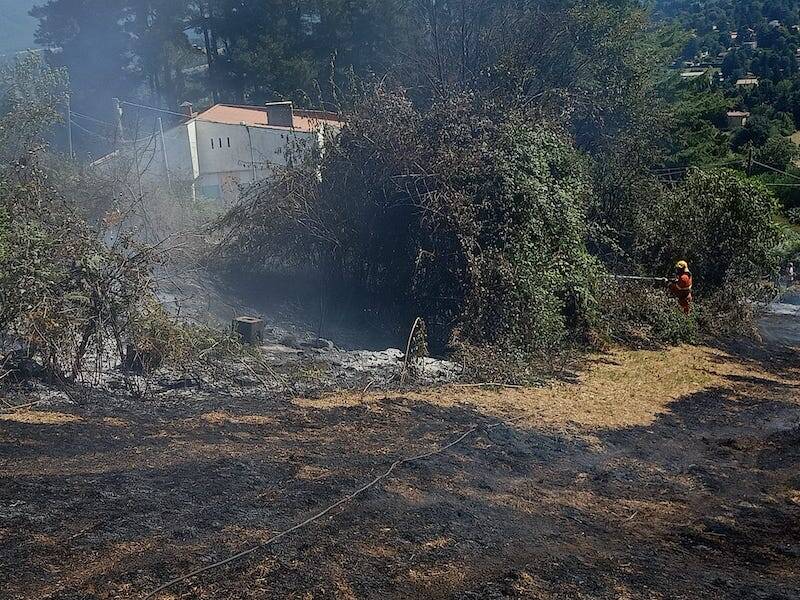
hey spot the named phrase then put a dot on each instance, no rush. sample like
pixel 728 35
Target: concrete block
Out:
pixel 250 329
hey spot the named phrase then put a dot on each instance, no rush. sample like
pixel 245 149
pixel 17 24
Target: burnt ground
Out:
pixel 669 474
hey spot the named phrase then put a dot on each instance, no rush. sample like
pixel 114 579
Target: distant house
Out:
pixel 227 146
pixel 737 118
pixel 752 44
pixel 690 74
pixel 775 23
pixel 748 81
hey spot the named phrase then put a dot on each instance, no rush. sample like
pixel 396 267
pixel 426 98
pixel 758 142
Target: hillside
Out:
pixel 17 26
pixel 654 475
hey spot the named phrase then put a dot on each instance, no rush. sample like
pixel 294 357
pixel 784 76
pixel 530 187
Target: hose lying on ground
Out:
pixel 319 515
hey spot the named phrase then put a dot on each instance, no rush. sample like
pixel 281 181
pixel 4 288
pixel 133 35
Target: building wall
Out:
pixel 226 161
pixel 217 157
pixel 179 144
pixel 147 156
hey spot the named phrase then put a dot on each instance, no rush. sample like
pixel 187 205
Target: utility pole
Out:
pixel 750 161
pixel 252 152
pixel 69 129
pixel 119 135
pixel 164 150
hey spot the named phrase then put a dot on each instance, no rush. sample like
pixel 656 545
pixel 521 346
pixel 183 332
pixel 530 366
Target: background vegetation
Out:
pixel 501 161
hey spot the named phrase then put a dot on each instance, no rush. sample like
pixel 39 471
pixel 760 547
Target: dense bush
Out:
pixel 642 316
pixel 531 281
pixel 64 294
pixel 482 222
pixel 724 225
pixel 472 217
pixel 62 291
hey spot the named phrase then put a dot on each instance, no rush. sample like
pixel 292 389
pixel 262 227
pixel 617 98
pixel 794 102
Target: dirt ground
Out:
pixel 648 475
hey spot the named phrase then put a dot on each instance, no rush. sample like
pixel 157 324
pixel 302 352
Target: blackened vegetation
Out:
pixel 452 210
pixel 75 299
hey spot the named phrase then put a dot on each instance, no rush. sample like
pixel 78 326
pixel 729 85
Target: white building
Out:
pixel 737 118
pixel 748 81
pixel 227 147
pixel 688 74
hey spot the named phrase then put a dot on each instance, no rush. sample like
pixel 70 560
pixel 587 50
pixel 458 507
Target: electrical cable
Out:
pixel 108 139
pixel 88 118
pixel 668 170
pixel 92 133
pixel 168 112
pixel 771 168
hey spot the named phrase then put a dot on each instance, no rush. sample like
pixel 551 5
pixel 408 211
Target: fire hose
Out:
pixel 638 278
pixel 349 498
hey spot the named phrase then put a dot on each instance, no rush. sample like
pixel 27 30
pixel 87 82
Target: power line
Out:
pixel 771 168
pixel 88 132
pixel 92 119
pixel 670 170
pixel 168 112
pixel 667 172
pixel 108 139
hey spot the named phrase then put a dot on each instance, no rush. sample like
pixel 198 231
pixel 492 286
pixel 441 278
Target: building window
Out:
pixel 212 143
pixel 220 143
pixel 229 142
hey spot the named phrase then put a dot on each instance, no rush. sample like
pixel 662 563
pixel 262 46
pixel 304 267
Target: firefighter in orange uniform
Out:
pixel 681 286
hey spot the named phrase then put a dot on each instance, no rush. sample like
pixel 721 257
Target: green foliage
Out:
pixel 471 217
pixel 487 199
pixel 62 291
pixel 789 246
pixel 697 129
pixel 532 278
pixel 777 152
pixel 756 131
pixel 642 317
pixel 254 51
pixel 724 225
pixel 31 94
pixel 490 204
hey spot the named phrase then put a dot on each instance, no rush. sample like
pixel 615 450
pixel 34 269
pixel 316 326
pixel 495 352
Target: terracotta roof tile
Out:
pixel 257 116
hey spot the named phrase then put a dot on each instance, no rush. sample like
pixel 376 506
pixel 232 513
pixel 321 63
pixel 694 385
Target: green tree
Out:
pixel 777 152
pixel 724 225
pixel 756 131
pixel 62 291
pixel 93 48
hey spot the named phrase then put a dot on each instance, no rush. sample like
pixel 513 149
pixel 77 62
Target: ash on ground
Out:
pixel 295 355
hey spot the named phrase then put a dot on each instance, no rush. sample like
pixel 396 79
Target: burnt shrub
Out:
pixel 472 217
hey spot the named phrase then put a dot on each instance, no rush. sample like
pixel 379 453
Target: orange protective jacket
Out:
pixel 682 288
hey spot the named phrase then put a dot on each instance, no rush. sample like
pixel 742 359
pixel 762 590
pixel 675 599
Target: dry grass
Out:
pixel 622 388
pixel 648 475
pixel 32 417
